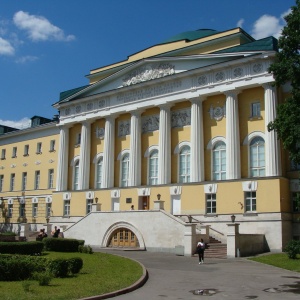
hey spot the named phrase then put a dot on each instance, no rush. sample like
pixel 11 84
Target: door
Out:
pixel 115 204
pixel 176 205
pixel 124 238
pixel 144 203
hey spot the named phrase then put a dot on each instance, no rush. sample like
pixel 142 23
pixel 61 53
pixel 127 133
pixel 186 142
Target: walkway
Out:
pixel 176 277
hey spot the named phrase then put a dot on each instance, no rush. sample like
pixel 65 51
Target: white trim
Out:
pixel 249 186
pixel 74 160
pixel 35 200
pixel 150 149
pixel 67 196
pixel 252 135
pixel 181 145
pixel 122 153
pixel 213 141
pixel 95 162
pixel 210 188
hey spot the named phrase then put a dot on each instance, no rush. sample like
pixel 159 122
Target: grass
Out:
pixel 279 260
pixel 101 273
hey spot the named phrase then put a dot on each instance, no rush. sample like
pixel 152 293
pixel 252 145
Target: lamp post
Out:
pixel 232 218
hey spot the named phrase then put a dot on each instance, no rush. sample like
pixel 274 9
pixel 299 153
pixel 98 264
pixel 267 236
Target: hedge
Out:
pixel 25 248
pixel 62 244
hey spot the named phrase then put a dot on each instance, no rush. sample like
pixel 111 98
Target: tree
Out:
pixel 286 69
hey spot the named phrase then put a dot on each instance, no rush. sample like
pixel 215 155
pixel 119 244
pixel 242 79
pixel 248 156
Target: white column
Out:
pixel 272 149
pixel 62 165
pixel 197 148
pixel 135 149
pixel 85 152
pixel 164 145
pixel 233 163
pixel 108 153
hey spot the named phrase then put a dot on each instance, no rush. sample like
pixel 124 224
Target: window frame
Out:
pixel 67 208
pixel 99 172
pixel 124 180
pixel 51 179
pixel 14 152
pixel 184 175
pixel 24 181
pixel 153 180
pixel 3 154
pixel 52 146
pixel 89 205
pixel 211 198
pixel 255 110
pixel 221 172
pixel 76 175
pixel 1 182
pixel 37 179
pixel 250 197
pixel 12 181
pixel 255 148
pixel 35 210
pixel 26 150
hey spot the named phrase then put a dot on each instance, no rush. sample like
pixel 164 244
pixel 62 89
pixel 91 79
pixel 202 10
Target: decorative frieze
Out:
pixel 217 112
pixel 150 123
pixel 100 133
pixel 180 118
pixel 124 128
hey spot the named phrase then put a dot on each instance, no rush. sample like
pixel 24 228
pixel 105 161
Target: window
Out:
pixel 52 146
pixel 89 204
pixel 34 210
pixel 184 164
pixel 296 201
pixel 3 154
pixel 51 179
pixel 76 176
pixel 250 201
pixel 78 140
pixel 211 203
pixel 99 173
pixel 12 181
pixel 39 148
pixel 22 210
pixel 26 150
pixel 219 161
pixel 14 152
pixel 9 210
pixel 255 110
pixel 66 208
pixel 153 168
pixel 24 181
pixel 124 170
pixel 37 180
pixel 1 182
pixel 257 157
pixel 48 210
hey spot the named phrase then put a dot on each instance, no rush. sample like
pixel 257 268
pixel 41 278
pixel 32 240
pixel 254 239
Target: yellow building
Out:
pixel 179 132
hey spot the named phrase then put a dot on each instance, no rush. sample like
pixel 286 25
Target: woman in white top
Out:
pixel 200 250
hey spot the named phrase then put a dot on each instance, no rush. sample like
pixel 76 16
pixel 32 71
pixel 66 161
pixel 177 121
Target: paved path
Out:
pixel 175 277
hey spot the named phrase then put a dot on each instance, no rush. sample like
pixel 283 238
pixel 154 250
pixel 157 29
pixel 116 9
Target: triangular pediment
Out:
pixel 147 71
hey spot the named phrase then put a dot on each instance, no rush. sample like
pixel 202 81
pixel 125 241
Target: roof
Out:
pixel 68 93
pixel 266 44
pixel 191 35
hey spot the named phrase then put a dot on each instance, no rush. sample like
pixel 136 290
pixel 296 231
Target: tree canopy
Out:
pixel 286 70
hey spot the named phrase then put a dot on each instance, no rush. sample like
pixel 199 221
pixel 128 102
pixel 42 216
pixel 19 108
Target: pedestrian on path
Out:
pixel 200 251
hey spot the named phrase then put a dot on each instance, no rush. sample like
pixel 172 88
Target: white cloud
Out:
pixel 6 48
pixel 21 124
pixel 39 28
pixel 25 59
pixel 268 25
pixel 240 23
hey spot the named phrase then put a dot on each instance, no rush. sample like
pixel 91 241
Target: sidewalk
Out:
pixel 177 277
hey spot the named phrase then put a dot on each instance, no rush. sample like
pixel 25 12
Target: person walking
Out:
pixel 200 251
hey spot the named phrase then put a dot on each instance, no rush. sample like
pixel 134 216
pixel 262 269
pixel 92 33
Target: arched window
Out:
pixel 257 157
pixel 125 170
pixel 76 176
pixel 184 164
pixel 99 172
pixel 153 168
pixel 219 161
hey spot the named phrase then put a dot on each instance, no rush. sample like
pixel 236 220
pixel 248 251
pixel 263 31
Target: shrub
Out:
pixel 8 233
pixel 292 249
pixel 75 265
pixel 25 248
pixel 85 249
pixel 43 278
pixel 59 267
pixel 61 244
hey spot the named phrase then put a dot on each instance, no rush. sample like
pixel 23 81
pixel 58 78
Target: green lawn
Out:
pixel 279 260
pixel 101 273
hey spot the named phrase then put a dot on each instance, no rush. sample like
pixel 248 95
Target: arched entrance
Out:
pixel 123 237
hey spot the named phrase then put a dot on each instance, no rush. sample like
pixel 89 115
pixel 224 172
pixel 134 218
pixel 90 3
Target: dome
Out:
pixel 191 35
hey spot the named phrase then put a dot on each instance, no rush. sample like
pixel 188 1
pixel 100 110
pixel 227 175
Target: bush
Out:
pixel 43 278
pixel 8 233
pixel 25 248
pixel 85 249
pixel 292 249
pixel 59 267
pixel 75 265
pixel 16 267
pixel 61 244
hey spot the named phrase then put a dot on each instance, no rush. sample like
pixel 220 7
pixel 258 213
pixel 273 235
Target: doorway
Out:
pixel 144 203
pixel 176 205
pixel 124 237
pixel 115 205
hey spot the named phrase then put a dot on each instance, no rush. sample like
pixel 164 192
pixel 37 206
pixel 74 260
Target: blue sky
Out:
pixel 48 46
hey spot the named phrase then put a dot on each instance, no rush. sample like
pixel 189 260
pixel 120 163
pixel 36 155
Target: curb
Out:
pixel 139 283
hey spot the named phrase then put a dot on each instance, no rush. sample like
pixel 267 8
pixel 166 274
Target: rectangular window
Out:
pixel 1 182
pixel 48 210
pixel 51 179
pixel 37 180
pixel 296 201
pixel 39 148
pixel 14 152
pixel 78 140
pixel 66 208
pixel 255 110
pixel 211 203
pixel 26 150
pixel 89 204
pixel 34 210
pixel 3 154
pixel 52 146
pixel 9 210
pixel 22 210
pixel 12 181
pixel 250 200
pixel 24 181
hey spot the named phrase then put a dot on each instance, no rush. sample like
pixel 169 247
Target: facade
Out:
pixel 179 131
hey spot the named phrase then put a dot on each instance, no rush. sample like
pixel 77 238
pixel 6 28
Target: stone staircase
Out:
pixel 216 249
